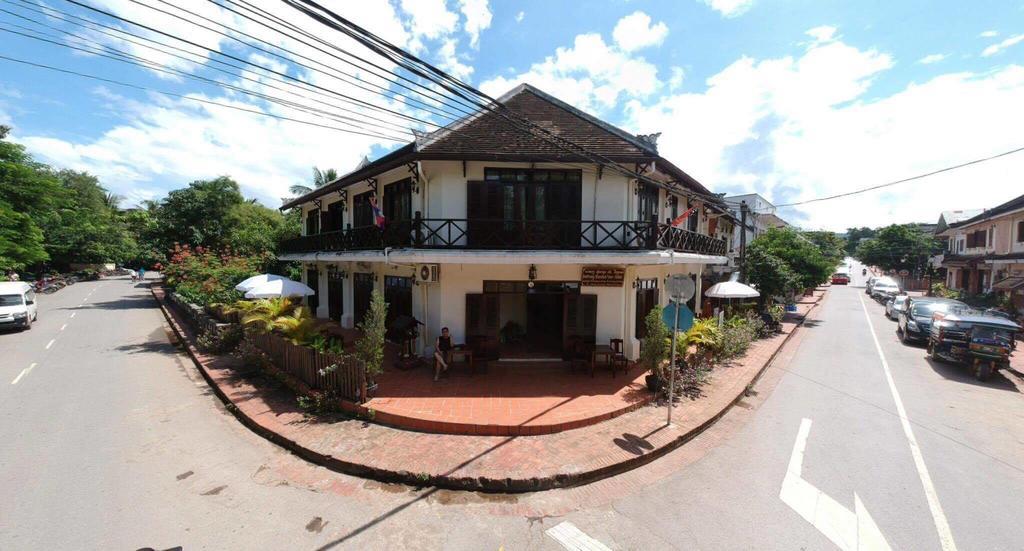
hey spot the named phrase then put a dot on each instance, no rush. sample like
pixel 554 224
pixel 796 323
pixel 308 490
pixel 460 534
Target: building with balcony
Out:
pixel 761 215
pixel 519 245
pixel 985 252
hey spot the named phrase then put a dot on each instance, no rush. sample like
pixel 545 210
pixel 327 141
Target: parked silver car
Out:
pixel 895 305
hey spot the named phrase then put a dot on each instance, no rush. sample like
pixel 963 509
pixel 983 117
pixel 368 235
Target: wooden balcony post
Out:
pixel 417 224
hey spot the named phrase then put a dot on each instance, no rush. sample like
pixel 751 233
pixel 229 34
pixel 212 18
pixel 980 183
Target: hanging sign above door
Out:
pixel 602 276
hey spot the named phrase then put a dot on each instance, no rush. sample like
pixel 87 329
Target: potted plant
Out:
pixel 654 348
pixel 370 347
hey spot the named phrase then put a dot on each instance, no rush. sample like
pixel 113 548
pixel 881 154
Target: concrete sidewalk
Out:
pixel 486 463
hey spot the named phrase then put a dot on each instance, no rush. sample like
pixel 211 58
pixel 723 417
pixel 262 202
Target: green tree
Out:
pixel 255 228
pixel 899 247
pixel 28 194
pixel 853 237
pixel 198 214
pixel 832 247
pixel 86 226
pixel 655 346
pixel 770 274
pixel 803 257
pixel 320 179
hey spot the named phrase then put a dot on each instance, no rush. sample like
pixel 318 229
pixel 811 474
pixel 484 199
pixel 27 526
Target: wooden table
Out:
pixel 600 350
pixel 467 356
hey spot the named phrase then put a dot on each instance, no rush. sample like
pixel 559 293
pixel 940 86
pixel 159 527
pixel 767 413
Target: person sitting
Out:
pixel 442 353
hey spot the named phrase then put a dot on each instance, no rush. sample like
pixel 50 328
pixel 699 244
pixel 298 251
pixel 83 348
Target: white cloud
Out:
pixel 996 48
pixel 429 18
pixel 449 61
pixel 989 34
pixel 822 33
pixel 478 18
pixel 796 128
pixel 730 8
pixel 932 58
pixel 634 32
pixel 590 75
pixel 520 16
pixel 676 80
pixel 170 143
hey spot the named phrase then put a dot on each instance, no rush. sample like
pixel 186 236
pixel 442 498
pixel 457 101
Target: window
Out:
pixel 362 212
pixel 313 222
pixel 988 238
pixel 646 300
pixel 647 203
pixel 1020 231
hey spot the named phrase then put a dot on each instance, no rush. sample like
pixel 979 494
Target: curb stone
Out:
pixel 465 483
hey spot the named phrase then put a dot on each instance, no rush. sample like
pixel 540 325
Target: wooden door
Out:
pixel 335 298
pixel 362 289
pixel 579 319
pixel 482 317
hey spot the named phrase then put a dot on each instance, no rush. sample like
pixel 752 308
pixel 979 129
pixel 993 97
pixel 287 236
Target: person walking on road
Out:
pixel 142 273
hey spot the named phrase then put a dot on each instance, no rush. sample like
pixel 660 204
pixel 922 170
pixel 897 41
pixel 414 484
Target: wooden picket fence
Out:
pixel 348 380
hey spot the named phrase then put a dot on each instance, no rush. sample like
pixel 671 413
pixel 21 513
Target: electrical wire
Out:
pixel 904 180
pixel 186 97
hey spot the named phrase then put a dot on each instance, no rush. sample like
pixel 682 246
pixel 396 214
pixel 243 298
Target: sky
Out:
pixel 790 99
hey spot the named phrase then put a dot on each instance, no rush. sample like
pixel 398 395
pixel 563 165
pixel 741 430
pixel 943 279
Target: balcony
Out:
pixel 488 234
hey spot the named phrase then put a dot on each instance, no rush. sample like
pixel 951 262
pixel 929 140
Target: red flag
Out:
pixel 679 219
pixel 378 216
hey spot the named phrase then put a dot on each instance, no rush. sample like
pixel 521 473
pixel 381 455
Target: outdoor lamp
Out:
pixel 532 274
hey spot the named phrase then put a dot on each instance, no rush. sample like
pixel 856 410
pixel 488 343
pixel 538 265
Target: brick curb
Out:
pixel 476 483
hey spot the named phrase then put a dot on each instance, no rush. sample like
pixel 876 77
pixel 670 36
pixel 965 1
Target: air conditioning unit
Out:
pixel 428 273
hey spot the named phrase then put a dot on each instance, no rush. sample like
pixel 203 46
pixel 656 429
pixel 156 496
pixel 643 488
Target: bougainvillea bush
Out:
pixel 203 276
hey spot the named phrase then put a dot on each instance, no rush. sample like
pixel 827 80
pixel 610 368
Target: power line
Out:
pixel 186 97
pixel 918 177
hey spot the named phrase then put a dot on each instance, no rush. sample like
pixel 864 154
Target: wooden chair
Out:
pixel 618 357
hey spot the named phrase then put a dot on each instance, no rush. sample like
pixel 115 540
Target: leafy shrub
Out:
pixel 262 314
pixel 299 326
pixel 942 291
pixel 203 276
pixel 737 334
pixel 327 345
pixel 219 341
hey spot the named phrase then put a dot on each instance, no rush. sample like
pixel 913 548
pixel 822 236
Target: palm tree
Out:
pixel 112 201
pixel 262 314
pixel 320 179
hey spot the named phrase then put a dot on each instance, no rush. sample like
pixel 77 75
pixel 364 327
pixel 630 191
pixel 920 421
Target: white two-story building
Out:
pixel 520 247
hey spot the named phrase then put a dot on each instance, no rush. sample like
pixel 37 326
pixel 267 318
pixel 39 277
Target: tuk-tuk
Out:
pixel 981 341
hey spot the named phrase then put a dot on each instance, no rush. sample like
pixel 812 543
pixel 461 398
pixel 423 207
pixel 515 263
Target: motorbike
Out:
pixel 982 342
pixel 864 271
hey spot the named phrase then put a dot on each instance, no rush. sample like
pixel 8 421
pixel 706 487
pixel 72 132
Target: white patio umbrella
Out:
pixel 256 281
pixel 731 289
pixel 280 288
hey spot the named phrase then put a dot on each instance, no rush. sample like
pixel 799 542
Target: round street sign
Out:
pixel 680 287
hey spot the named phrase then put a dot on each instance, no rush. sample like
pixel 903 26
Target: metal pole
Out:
pixel 743 241
pixel 672 364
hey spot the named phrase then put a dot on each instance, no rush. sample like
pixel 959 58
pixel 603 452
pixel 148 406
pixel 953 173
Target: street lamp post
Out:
pixel 680 288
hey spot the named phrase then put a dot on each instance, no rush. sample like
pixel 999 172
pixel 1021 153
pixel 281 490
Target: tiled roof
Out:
pixel 491 135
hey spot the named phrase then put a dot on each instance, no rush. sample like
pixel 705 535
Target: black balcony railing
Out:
pixel 490 234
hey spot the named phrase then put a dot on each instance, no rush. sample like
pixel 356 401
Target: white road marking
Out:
pixel 23 373
pixel 939 517
pixel 72 315
pixel 573 538
pixel 849 530
pixel 49 344
pixel 63 327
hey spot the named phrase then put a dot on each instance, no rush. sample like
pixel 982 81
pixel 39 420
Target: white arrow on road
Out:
pixel 850 531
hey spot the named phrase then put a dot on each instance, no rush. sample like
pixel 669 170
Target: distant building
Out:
pixel 761 215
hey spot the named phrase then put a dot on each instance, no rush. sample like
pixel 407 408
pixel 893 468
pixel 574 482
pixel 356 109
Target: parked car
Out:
pixel 884 288
pixel 869 284
pixel 895 305
pixel 973 338
pixel 915 320
pixel 839 278
pixel 17 305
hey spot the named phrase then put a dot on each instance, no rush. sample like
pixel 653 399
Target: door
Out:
pixel 313 280
pixel 646 300
pixel 484 211
pixel 362 289
pixel 398 211
pixel 398 295
pixel 579 320
pixel 482 318
pixel 335 297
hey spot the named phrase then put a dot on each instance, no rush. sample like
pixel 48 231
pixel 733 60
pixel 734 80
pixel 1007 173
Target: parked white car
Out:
pixel 17 305
pixel 884 287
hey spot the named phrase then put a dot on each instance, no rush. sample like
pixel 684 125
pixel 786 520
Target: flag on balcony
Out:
pixel 679 219
pixel 378 216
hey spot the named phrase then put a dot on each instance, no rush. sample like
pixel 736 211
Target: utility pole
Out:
pixel 743 241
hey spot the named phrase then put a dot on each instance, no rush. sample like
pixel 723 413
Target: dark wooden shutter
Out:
pixel 491 314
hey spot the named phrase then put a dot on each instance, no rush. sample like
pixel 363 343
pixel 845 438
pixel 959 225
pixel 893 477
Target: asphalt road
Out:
pixel 113 441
